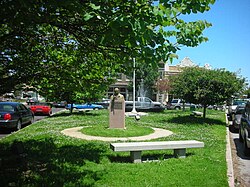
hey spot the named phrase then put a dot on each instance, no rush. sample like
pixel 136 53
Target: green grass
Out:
pixel 57 160
pixel 132 129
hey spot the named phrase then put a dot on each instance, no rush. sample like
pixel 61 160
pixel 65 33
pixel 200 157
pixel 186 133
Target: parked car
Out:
pixel 210 107
pixel 60 104
pixel 232 108
pixel 104 103
pixel 144 104
pixel 177 104
pixel 236 118
pixel 30 101
pixel 129 108
pixel 244 129
pixel 41 109
pixel 87 106
pixel 14 115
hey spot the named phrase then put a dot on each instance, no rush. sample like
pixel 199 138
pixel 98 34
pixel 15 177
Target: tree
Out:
pixel 76 77
pixel 145 76
pixel 148 30
pixel 162 85
pixel 207 87
pixel 247 92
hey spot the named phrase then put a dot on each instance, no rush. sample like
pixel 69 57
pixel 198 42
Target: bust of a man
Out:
pixel 117 95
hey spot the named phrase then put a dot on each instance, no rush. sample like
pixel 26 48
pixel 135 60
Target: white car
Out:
pixel 232 108
pixel 177 104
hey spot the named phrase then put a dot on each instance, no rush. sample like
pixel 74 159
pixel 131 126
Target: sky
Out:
pixel 229 38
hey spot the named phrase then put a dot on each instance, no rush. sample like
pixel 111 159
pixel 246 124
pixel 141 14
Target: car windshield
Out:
pixel 239 102
pixel 6 108
pixel 44 104
pixel 175 101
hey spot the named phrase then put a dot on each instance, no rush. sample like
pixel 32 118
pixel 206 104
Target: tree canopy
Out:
pixel 37 35
pixel 207 87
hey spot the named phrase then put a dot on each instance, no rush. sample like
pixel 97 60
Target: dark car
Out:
pixel 14 115
pixel 60 104
pixel 236 118
pixel 244 130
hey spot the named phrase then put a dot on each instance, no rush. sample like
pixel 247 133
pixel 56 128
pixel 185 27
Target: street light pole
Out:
pixel 134 110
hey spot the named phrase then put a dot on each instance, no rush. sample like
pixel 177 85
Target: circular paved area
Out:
pixel 75 132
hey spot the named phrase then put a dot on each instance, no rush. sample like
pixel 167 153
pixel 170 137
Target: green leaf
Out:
pixel 87 17
pixel 93 6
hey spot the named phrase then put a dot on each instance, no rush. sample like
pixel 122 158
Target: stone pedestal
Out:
pixel 117 114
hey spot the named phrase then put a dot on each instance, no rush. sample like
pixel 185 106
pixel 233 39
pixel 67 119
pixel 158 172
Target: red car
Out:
pixel 41 109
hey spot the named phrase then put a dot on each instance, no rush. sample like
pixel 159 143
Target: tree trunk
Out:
pixel 204 111
pixel 71 108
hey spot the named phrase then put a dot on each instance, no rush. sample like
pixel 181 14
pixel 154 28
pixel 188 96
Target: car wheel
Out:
pixel 177 108
pixel 50 113
pixel 232 128
pixel 32 120
pixel 18 125
pixel 96 108
pixel 246 149
pixel 240 136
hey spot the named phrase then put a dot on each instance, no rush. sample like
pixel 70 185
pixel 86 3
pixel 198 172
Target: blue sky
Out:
pixel 229 38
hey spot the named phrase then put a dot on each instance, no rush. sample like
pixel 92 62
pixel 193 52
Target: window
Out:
pixel 147 100
pixel 7 108
pixel 174 101
pixel 23 107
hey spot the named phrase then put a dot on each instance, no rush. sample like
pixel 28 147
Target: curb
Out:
pixel 230 171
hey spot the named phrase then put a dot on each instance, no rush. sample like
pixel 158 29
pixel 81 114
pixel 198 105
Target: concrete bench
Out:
pixel 83 110
pixel 196 113
pixel 136 148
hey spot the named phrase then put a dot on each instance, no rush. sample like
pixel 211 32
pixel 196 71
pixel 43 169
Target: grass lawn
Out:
pixel 53 159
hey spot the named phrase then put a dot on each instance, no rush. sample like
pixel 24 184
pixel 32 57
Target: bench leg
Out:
pixel 180 153
pixel 135 156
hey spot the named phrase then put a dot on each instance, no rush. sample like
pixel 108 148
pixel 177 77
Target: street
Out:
pixel 241 163
pixel 4 133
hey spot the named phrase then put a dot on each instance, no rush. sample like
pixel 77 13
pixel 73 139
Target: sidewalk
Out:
pixel 75 132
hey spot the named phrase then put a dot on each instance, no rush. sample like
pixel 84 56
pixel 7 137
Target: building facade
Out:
pixel 171 70
pixel 122 83
pixel 165 70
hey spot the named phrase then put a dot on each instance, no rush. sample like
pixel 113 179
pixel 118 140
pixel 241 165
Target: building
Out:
pixel 122 83
pixel 165 69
